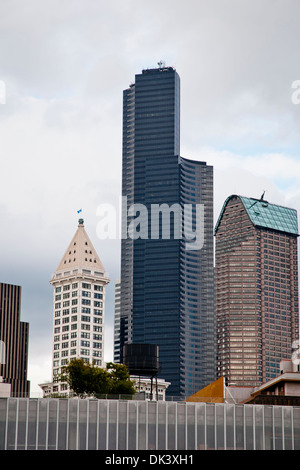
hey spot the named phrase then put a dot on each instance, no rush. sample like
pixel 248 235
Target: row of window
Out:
pixel 84 334
pixel 64 362
pixel 95 311
pixel 73 352
pixel 73 335
pixel 73 344
pixel 66 303
pixel 74 318
pixel 67 295
pixel 84 285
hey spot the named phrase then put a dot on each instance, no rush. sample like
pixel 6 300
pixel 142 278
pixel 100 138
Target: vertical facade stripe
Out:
pixel 168 423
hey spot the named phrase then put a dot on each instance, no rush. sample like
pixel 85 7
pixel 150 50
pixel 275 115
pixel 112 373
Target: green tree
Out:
pixel 86 379
pixel 120 383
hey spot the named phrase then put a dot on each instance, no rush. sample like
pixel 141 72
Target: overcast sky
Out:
pixel 65 65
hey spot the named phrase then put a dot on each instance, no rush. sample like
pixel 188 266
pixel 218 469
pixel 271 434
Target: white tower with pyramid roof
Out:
pixel 78 306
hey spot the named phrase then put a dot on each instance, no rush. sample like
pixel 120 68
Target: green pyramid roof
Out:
pixel 266 215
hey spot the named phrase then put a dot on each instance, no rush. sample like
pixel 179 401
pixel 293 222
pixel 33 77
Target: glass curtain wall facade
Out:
pixel 197 277
pixel 126 242
pixel 154 275
pixel 256 289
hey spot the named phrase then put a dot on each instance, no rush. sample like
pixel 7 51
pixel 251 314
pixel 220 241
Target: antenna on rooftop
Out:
pixel 161 64
pixel 262 196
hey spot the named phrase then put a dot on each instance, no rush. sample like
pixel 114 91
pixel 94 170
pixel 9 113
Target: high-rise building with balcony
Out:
pixel 256 289
pixel 78 306
pixel 167 279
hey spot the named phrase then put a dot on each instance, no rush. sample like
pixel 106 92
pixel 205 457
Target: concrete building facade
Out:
pixel 78 307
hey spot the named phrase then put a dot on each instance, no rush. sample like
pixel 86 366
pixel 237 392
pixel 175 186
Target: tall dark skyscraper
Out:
pixel 14 341
pixel 167 287
pixel 257 304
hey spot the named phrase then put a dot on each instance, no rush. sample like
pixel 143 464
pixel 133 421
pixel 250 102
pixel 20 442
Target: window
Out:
pixel 84 318
pixel 86 293
pixel 84 352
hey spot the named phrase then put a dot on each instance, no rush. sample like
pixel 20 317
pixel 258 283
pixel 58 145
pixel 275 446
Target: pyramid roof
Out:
pixel 81 253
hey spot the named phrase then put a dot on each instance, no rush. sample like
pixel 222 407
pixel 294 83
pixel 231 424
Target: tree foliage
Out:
pixel 86 379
